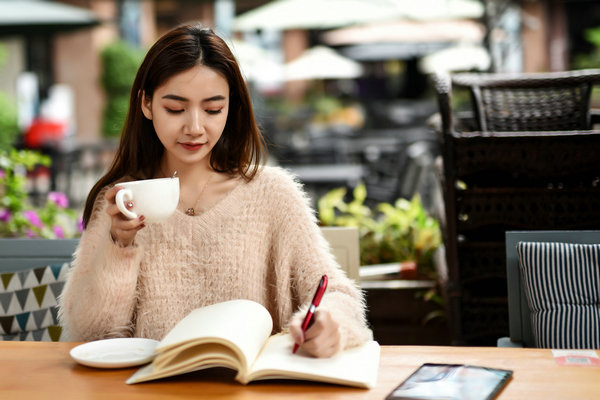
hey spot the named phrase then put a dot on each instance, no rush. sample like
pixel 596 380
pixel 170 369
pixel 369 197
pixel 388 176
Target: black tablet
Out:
pixel 452 382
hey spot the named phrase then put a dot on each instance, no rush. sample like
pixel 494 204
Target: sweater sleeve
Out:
pixel 307 254
pixel 99 297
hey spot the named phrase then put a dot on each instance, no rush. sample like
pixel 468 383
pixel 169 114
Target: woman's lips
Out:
pixel 192 146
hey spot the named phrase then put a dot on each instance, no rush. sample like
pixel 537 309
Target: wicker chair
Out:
pixel 524 157
pixel 530 102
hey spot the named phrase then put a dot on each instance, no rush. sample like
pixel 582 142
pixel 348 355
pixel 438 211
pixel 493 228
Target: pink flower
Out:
pixel 58 231
pixel 33 218
pixel 30 234
pixel 5 215
pixel 2 173
pixel 80 224
pixel 58 198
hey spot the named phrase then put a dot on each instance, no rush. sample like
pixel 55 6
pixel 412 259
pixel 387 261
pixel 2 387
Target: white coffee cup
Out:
pixel 155 199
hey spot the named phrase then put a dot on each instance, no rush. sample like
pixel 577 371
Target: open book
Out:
pixel 236 334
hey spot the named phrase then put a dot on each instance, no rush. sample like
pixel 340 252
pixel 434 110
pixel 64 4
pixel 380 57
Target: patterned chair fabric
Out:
pixel 562 285
pixel 28 303
pixel 32 276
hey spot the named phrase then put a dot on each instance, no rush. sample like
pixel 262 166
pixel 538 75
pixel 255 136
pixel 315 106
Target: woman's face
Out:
pixel 189 112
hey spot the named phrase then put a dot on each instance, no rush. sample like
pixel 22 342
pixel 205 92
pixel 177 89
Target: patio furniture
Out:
pixel 19 255
pixel 531 102
pixel 344 243
pixel 519 311
pixel 538 173
pixel 33 273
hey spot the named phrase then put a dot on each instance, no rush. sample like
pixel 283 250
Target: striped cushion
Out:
pixel 28 303
pixel 562 285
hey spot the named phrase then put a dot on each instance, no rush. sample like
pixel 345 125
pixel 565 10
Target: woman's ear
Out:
pixel 146 106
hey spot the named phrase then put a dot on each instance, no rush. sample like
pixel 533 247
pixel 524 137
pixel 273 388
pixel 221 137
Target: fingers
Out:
pixel 110 194
pixel 295 328
pixel 322 338
pixel 122 230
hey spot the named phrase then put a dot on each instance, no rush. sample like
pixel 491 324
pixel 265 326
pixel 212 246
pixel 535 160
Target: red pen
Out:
pixel 313 306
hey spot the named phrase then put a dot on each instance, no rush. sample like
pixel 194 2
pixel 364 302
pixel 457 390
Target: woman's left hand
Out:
pixel 322 338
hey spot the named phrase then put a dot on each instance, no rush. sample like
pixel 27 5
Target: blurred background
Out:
pixel 341 88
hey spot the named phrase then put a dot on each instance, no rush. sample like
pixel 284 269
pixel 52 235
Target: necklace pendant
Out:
pixel 190 211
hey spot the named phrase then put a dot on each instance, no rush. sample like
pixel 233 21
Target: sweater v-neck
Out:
pixel 214 208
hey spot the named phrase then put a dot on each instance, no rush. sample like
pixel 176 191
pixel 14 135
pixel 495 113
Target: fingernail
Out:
pixel 142 218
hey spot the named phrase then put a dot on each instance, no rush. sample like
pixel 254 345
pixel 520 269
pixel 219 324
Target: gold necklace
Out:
pixel 190 211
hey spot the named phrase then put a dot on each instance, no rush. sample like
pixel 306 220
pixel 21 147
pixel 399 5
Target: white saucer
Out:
pixel 115 353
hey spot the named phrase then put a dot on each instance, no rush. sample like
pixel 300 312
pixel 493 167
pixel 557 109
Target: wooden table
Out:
pixel 43 370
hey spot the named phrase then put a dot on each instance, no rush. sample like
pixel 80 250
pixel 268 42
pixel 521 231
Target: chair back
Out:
pixel 22 254
pixel 556 101
pixel 518 309
pixel 344 243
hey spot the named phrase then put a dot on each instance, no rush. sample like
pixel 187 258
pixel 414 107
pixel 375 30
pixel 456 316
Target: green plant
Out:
pixel 9 128
pixel 397 232
pixel 18 217
pixel 120 62
pixel 591 60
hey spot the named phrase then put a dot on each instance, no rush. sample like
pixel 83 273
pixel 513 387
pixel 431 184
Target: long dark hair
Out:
pixel 241 147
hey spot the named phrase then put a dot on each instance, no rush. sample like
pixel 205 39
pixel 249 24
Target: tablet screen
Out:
pixel 452 382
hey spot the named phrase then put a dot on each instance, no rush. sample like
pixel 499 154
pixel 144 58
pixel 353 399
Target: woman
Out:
pixel 241 230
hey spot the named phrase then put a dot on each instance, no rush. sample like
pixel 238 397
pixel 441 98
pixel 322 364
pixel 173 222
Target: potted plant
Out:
pixel 18 216
pixel 401 232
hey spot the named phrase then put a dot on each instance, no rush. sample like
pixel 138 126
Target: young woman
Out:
pixel 241 230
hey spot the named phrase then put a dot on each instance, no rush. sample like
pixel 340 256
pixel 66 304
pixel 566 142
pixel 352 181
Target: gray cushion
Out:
pixel 562 284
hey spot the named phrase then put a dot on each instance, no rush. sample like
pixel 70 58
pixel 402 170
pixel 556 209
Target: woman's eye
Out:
pixel 171 111
pixel 214 112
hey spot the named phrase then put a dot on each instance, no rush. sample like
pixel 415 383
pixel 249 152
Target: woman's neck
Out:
pixel 186 172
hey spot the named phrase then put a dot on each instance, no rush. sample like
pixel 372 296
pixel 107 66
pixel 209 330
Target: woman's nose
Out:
pixel 195 123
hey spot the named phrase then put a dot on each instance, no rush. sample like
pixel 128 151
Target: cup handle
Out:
pixel 122 196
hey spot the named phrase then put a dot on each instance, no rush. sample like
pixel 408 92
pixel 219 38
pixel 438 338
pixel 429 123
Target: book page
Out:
pixel 354 367
pixel 242 324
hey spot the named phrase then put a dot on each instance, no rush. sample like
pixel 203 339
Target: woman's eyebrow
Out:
pixel 214 98
pixel 208 99
pixel 174 97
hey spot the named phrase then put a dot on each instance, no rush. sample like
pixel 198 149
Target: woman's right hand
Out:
pixel 122 229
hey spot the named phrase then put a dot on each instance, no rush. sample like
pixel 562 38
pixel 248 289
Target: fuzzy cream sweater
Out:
pixel 261 242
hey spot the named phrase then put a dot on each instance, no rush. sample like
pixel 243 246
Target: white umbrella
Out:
pixel 258 65
pixel 458 58
pixel 407 31
pixel 327 14
pixel 18 16
pixel 423 10
pixel 321 62
pixel 311 14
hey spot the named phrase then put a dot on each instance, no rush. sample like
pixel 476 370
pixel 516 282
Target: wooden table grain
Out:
pixel 44 370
